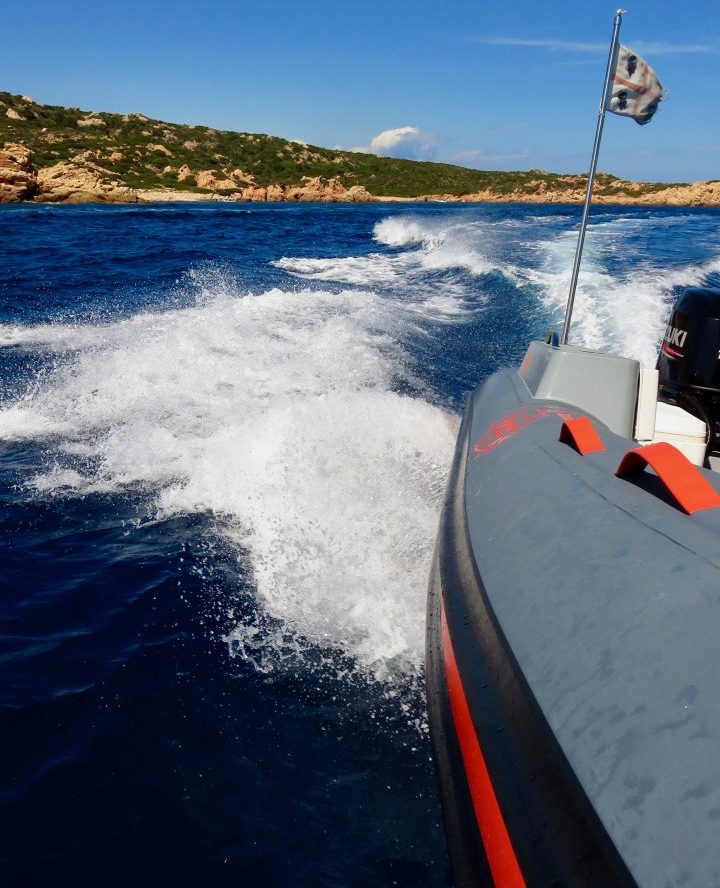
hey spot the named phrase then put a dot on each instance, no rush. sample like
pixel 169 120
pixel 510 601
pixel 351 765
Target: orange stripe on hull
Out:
pixel 503 863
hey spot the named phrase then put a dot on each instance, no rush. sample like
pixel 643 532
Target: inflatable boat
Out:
pixel 573 636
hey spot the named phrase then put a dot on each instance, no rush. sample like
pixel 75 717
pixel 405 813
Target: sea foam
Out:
pixel 461 245
pixel 276 414
pixel 621 312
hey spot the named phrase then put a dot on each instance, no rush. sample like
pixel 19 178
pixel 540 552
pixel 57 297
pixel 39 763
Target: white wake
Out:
pixel 276 414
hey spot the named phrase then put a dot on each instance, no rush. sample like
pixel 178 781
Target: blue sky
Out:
pixel 495 85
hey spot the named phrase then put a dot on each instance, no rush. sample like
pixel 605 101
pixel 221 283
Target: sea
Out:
pixel 225 431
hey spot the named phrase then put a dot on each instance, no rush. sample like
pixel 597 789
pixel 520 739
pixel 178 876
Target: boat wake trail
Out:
pixel 621 306
pixel 279 415
pixel 464 244
pixel 618 309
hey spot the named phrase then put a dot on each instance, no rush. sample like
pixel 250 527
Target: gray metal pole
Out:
pixel 591 176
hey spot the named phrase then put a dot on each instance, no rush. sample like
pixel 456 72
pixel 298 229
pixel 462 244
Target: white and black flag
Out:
pixel 635 90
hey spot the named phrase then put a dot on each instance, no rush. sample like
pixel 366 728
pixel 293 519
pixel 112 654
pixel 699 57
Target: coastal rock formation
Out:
pixel 83 179
pixel 208 179
pixel 80 181
pixel 359 194
pixel 275 192
pixel 309 189
pixel 241 178
pixel 619 193
pixel 18 178
pixel 170 195
pixel 315 189
pixel 699 194
pixel 243 187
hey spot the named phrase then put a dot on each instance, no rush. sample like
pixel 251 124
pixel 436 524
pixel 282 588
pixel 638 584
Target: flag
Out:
pixel 635 90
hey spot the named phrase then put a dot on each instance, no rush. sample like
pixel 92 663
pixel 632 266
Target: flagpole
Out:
pixel 591 176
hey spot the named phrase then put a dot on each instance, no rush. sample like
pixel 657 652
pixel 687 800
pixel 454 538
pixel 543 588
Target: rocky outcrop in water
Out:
pixel 80 181
pixel 209 179
pixel 313 189
pixel 18 178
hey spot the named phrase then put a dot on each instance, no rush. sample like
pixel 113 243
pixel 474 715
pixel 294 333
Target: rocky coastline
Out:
pixel 84 179
pixel 698 194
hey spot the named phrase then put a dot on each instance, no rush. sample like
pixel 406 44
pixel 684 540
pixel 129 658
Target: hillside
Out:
pixel 143 153
pixel 57 153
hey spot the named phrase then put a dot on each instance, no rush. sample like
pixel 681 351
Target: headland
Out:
pixel 52 154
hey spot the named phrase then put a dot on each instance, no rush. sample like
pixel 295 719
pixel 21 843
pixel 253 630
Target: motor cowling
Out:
pixel 689 359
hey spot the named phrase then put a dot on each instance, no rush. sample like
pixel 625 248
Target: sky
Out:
pixel 510 85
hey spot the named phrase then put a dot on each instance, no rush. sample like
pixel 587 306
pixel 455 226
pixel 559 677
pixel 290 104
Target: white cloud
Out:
pixel 403 141
pixel 658 48
pixel 655 48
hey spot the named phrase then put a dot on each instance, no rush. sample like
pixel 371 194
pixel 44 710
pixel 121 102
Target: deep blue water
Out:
pixel 224 432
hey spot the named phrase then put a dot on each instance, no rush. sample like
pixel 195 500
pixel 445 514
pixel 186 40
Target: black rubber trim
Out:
pixel 467 856
pixel 557 837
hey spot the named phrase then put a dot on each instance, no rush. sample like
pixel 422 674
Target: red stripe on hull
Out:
pixel 501 857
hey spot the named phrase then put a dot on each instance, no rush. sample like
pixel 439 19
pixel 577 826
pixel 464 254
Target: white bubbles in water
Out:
pixel 402 231
pixel 621 311
pixel 276 414
pixel 367 270
pixel 439 245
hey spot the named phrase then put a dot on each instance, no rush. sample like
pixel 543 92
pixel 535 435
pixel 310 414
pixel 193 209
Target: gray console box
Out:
pixel 605 386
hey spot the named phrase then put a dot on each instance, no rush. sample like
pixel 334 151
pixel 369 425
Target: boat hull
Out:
pixel 536 730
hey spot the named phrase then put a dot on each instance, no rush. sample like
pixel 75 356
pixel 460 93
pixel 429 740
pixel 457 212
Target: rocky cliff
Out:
pixel 84 180
pixel 18 177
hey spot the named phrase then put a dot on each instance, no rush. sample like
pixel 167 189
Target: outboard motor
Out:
pixel 689 359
